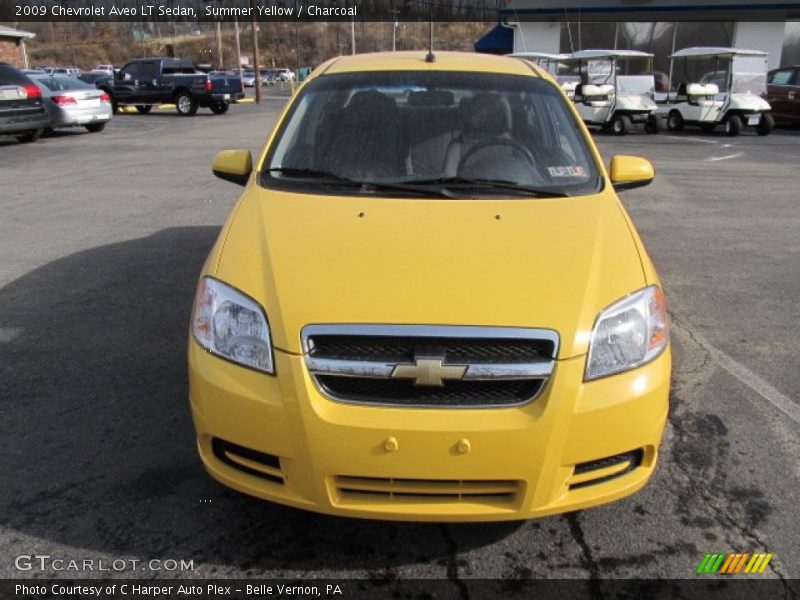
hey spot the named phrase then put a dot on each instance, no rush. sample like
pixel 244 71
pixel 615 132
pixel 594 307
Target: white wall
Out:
pixel 537 37
pixel 767 36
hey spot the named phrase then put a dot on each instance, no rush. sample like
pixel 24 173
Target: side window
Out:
pixel 795 78
pixel 147 71
pixel 781 77
pixel 131 71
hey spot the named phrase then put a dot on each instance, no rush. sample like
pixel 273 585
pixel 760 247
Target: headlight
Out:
pixel 229 324
pixel 628 334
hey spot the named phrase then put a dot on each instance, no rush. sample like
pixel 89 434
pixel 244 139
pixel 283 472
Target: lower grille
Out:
pixel 247 460
pixel 605 469
pixel 428 490
pixel 403 392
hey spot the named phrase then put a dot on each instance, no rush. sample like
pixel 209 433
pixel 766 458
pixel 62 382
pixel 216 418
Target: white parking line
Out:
pixel 703 140
pixel 726 157
pixel 778 399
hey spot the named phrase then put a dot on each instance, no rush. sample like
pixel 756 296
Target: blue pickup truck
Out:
pixel 148 82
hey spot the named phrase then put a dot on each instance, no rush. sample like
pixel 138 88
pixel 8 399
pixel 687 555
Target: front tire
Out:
pixel 30 136
pixel 95 127
pixel 220 108
pixel 621 125
pixel 675 121
pixel 766 124
pixel 185 104
pixel 733 125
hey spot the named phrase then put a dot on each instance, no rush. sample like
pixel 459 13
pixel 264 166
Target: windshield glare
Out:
pixel 430 128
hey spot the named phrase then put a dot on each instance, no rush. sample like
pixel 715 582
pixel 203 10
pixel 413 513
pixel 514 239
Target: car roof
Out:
pixel 415 61
pixel 699 51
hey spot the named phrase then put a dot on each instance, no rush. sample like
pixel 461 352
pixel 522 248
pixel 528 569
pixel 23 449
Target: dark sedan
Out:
pixel 783 93
pixel 21 111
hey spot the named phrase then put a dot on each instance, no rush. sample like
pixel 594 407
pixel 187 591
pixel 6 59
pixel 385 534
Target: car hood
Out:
pixel 546 263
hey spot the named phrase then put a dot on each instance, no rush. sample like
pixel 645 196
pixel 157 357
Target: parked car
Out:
pixel 429 302
pixel 68 71
pixel 248 78
pixel 74 103
pixel 148 82
pixel 95 77
pixel 783 93
pixel 283 75
pixel 22 113
pixel 109 69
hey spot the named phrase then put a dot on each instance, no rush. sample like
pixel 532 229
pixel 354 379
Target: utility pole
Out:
pixel 254 25
pixel 394 12
pixel 220 61
pixel 352 35
pixel 238 46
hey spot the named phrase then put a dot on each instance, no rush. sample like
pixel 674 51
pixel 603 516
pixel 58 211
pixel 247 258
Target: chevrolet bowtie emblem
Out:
pixel 429 371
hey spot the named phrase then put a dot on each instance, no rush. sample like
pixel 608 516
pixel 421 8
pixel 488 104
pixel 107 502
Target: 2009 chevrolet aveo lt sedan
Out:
pixel 429 303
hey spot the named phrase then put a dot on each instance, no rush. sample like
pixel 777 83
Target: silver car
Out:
pixel 73 103
pixel 248 78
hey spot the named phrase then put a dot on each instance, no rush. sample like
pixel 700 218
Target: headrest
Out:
pixel 371 101
pixel 591 90
pixel 702 89
pixel 489 113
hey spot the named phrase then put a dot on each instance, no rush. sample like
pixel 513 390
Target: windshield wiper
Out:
pixel 364 187
pixel 496 184
pixel 303 172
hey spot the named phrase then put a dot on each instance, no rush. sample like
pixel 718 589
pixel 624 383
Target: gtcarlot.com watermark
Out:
pixel 56 564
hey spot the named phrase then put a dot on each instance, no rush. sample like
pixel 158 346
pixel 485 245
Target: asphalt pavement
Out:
pixel 102 237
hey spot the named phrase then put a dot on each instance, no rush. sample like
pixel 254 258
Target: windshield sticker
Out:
pixel 571 171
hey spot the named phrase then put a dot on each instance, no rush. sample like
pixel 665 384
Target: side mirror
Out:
pixel 628 172
pixel 233 165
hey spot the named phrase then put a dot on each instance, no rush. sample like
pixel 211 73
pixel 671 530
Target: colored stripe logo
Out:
pixel 731 564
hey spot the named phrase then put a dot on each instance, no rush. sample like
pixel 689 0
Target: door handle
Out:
pixel 791 95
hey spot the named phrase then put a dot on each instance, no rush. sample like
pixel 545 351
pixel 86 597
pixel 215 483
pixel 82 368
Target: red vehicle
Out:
pixel 783 93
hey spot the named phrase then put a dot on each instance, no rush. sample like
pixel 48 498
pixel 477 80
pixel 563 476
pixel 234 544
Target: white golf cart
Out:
pixel 718 86
pixel 616 89
pixel 556 65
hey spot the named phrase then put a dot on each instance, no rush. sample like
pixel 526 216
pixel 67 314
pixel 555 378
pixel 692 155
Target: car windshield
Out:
pixel 59 83
pixel 442 134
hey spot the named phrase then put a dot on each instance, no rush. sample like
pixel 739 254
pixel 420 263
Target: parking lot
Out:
pixel 102 237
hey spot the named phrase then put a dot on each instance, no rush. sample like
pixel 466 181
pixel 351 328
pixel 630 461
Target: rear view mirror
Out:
pixel 629 172
pixel 233 165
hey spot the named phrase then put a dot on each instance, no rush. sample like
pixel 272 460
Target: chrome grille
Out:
pixel 454 350
pixel 429 366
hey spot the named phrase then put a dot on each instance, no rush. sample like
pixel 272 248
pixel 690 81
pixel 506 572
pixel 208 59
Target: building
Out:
pixel 12 46
pixel 657 26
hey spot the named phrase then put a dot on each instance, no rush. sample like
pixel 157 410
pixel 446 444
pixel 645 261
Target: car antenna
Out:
pixel 431 56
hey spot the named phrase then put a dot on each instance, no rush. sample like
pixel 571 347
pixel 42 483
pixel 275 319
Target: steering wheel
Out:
pixel 521 148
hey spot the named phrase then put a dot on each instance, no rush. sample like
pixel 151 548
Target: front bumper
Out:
pixel 279 439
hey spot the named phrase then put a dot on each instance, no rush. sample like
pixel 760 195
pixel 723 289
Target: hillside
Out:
pixel 280 44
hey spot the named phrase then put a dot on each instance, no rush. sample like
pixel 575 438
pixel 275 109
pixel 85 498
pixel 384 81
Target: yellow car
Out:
pixel 429 303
